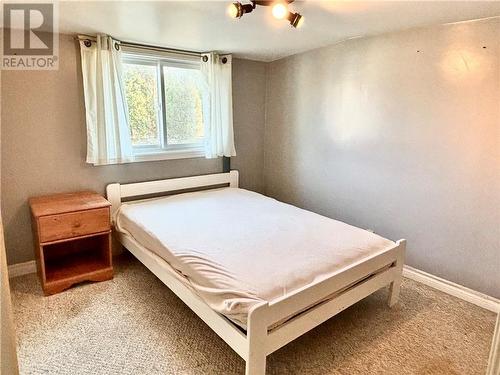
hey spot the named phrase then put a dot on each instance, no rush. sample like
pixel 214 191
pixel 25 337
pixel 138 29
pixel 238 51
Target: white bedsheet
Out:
pixel 236 248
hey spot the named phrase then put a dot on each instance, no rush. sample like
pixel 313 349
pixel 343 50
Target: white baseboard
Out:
pixel 21 269
pixel 456 290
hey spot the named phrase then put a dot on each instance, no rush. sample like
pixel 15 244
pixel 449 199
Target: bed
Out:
pixel 259 272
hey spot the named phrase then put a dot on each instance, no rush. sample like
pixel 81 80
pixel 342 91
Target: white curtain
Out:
pixel 219 137
pixel 108 133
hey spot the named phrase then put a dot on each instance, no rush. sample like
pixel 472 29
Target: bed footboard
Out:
pixel 352 284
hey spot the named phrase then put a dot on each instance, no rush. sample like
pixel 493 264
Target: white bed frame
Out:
pixel 347 286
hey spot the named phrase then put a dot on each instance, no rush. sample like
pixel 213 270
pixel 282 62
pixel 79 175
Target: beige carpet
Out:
pixel 135 325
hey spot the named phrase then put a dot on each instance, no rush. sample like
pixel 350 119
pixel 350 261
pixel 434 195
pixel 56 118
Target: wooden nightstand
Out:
pixel 72 235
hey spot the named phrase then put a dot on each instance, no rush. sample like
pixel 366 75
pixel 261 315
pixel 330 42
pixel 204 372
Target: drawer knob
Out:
pixel 77 225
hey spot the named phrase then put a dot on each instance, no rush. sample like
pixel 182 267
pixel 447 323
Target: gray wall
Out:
pixel 249 102
pixel 399 133
pixel 43 141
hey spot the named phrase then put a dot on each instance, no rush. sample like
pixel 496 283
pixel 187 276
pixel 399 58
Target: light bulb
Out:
pixel 280 11
pixel 233 10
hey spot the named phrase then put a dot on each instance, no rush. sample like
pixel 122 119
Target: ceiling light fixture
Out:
pixel 279 10
pixel 237 10
pixel 296 20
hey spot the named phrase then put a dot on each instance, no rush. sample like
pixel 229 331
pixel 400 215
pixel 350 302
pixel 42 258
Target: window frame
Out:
pixel 165 150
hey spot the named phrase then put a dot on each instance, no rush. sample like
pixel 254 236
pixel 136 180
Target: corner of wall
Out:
pixel 266 104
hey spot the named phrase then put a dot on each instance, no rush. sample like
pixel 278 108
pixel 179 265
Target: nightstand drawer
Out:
pixel 74 224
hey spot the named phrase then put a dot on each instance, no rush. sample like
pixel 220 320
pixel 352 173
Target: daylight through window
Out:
pixel 167 101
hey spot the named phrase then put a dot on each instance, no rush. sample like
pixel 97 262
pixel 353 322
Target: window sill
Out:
pixel 169 155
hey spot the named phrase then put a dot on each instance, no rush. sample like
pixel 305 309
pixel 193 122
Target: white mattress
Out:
pixel 236 248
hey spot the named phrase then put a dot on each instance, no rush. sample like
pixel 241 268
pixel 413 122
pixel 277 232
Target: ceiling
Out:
pixel 204 25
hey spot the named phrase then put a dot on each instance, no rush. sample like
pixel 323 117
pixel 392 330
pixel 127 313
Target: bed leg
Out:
pixel 256 336
pixel 395 286
pixel 394 290
pixel 256 365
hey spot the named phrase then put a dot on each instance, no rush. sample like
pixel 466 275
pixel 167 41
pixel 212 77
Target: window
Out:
pixel 167 101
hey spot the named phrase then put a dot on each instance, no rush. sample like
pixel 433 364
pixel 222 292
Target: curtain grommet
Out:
pixel 205 58
pixel 87 43
pixel 224 60
pixel 117 46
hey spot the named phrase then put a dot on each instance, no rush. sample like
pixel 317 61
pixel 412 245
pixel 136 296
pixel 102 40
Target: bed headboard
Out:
pixel 115 192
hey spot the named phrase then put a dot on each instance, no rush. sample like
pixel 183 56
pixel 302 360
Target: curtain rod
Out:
pixel 145 46
pixel 156 48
